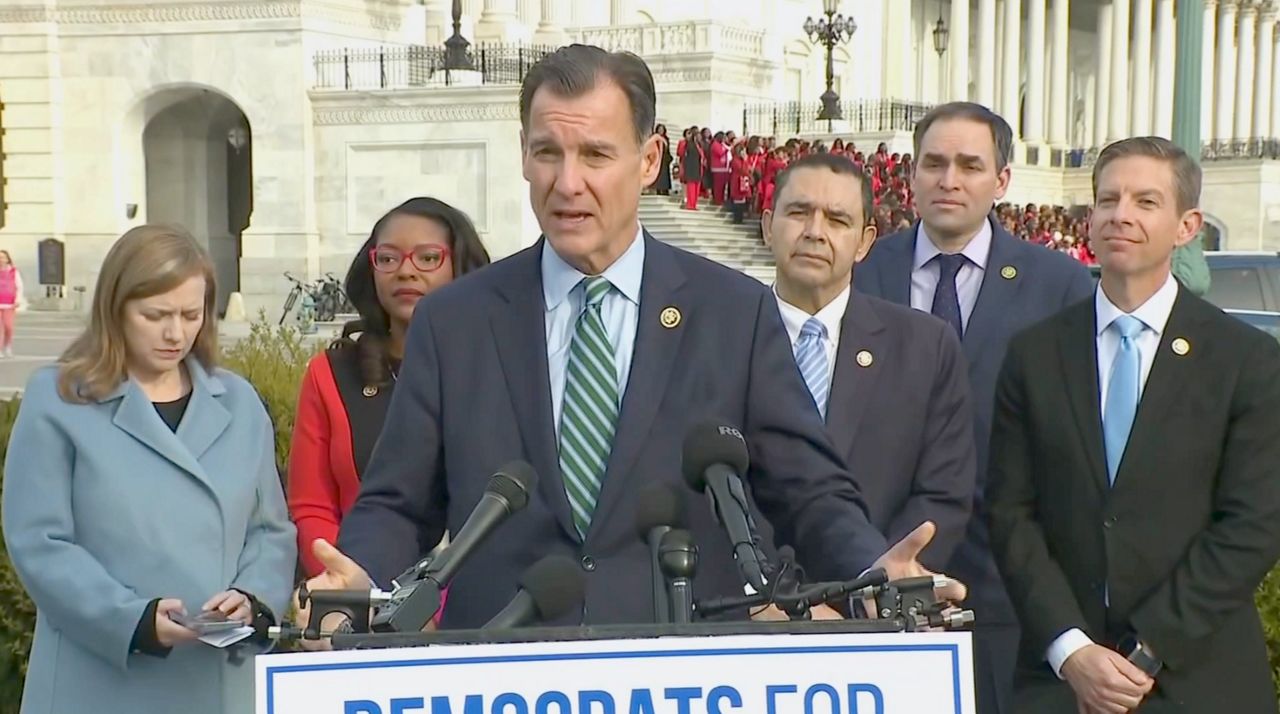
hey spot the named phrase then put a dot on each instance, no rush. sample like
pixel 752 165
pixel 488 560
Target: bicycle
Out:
pixel 293 296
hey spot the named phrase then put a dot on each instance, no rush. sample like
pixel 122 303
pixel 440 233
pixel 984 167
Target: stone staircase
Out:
pixel 708 232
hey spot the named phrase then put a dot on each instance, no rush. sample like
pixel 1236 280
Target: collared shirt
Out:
pixel 563 295
pixel 925 271
pixel 1154 315
pixel 831 316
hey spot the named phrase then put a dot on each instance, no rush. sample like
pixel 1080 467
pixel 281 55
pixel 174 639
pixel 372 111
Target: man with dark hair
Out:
pixel 1135 471
pixel 591 355
pixel 963 267
pixel 889 381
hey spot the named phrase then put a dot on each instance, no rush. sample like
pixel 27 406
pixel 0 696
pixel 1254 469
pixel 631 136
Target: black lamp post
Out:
pixel 829 31
pixel 941 35
pixel 457 53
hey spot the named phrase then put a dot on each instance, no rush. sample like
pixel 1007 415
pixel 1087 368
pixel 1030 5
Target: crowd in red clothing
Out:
pixel 740 173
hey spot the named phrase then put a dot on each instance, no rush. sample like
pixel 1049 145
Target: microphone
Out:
pixel 660 509
pixel 678 558
pixel 414 603
pixel 550 588
pixel 713 457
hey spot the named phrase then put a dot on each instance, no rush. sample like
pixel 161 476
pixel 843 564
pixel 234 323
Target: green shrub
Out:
pixel 17 614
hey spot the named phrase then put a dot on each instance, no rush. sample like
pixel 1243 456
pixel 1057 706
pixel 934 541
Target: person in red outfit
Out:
pixel 414 249
pixel 739 183
pixel 691 169
pixel 719 168
pixel 773 165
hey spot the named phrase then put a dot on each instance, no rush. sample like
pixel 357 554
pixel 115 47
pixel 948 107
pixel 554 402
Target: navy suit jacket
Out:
pixel 1040 283
pixel 903 421
pixel 474 394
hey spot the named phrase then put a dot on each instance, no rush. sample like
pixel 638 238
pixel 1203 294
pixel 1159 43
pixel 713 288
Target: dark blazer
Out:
pixel 904 422
pixel 474 393
pixel 1042 283
pixel 1183 537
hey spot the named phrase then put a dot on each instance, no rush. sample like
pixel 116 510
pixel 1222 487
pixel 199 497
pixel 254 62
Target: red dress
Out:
pixel 740 180
pixel 768 181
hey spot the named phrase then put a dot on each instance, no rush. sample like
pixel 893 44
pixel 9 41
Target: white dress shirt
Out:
pixel 925 274
pixel 830 316
pixel 1154 315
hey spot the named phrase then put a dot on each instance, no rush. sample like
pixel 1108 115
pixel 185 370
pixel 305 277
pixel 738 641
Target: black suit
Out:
pixel 1185 534
pixel 474 393
pixel 903 421
pixel 1023 284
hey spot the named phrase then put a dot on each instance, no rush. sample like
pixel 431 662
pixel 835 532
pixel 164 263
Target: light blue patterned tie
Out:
pixel 811 357
pixel 1123 389
pixel 589 414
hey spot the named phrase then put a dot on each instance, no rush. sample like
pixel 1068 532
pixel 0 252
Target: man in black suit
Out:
pixel 889 381
pixel 590 355
pixel 959 264
pixel 1135 471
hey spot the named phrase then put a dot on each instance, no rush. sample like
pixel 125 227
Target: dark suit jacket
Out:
pixel 1043 282
pixel 474 394
pixel 904 422
pixel 1183 537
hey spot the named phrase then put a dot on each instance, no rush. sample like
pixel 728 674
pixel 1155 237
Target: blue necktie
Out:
pixel 946 300
pixel 1123 391
pixel 811 357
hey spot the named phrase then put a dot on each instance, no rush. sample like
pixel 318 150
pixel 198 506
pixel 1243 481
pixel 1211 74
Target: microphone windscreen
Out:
pixel 513 482
pixel 659 505
pixel 710 443
pixel 556 585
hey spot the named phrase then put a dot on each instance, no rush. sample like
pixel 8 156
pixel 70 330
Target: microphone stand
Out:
pixel 678 558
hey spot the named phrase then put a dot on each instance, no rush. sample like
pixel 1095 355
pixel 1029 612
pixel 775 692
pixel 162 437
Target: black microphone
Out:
pixel 678 558
pixel 414 603
pixel 550 588
pixel 715 454
pixel 660 509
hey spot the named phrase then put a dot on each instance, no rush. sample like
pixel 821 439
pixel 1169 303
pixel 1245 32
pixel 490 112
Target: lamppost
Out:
pixel 830 31
pixel 457 54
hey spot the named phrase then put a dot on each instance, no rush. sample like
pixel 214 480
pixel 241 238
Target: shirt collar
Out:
pixel 830 315
pixel 977 251
pixel 1154 313
pixel 559 278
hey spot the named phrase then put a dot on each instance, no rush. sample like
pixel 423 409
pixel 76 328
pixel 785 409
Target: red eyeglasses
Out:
pixel 426 258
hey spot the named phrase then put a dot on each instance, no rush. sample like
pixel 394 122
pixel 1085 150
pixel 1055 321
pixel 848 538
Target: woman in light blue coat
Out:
pixel 140 486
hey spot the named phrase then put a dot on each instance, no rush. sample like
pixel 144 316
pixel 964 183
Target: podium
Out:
pixel 828 667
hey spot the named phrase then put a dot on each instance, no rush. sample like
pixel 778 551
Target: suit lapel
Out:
pixel 853 385
pixel 1170 373
pixel 1001 282
pixel 136 415
pixel 656 347
pixel 1077 344
pixel 895 275
pixel 205 419
pixel 519 331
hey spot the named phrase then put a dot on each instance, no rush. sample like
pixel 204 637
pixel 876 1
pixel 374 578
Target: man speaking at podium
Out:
pixel 590 355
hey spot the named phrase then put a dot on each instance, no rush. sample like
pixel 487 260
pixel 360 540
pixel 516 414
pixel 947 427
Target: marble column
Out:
pixel 1058 84
pixel 1035 72
pixel 498 22
pixel 986 90
pixel 1140 103
pixel 1207 73
pixel 959 50
pixel 1262 79
pixel 551 28
pixel 1102 78
pixel 439 20
pixel 1011 77
pixel 1225 83
pixel 529 14
pixel 620 12
pixel 1166 66
pixel 1118 126
pixel 1275 83
pixel 1245 58
pixel 998 99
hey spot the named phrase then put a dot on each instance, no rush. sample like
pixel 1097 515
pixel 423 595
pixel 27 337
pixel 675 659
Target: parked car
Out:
pixel 1264 320
pixel 1246 281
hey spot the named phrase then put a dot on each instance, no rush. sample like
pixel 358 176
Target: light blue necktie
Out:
pixel 1123 391
pixel 811 357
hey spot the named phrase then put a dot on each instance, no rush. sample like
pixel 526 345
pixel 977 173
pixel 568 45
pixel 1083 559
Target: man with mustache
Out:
pixel 958 263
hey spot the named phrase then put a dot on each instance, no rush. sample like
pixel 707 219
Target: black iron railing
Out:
pixel 1215 150
pixel 364 68
pixel 860 116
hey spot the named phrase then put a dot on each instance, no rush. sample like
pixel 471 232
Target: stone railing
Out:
pixel 675 38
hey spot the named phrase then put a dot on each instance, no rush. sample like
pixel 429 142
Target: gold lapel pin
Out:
pixel 370 391
pixel 1181 347
pixel 670 317
pixel 1008 272
pixel 865 358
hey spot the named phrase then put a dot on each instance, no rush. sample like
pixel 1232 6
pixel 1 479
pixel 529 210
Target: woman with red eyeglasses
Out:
pixel 417 247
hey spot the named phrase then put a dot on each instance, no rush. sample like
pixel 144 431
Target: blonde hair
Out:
pixel 147 261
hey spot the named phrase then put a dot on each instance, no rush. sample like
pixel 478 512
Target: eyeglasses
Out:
pixel 426 258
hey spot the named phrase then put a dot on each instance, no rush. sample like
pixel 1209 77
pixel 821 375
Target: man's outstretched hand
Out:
pixel 902 561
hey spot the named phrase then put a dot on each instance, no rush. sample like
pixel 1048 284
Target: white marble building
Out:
pixel 278 130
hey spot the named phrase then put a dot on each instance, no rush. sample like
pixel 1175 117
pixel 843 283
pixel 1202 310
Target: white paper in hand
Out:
pixel 226 638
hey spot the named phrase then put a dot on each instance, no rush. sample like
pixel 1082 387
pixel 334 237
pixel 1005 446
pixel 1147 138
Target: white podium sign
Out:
pixel 740 674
